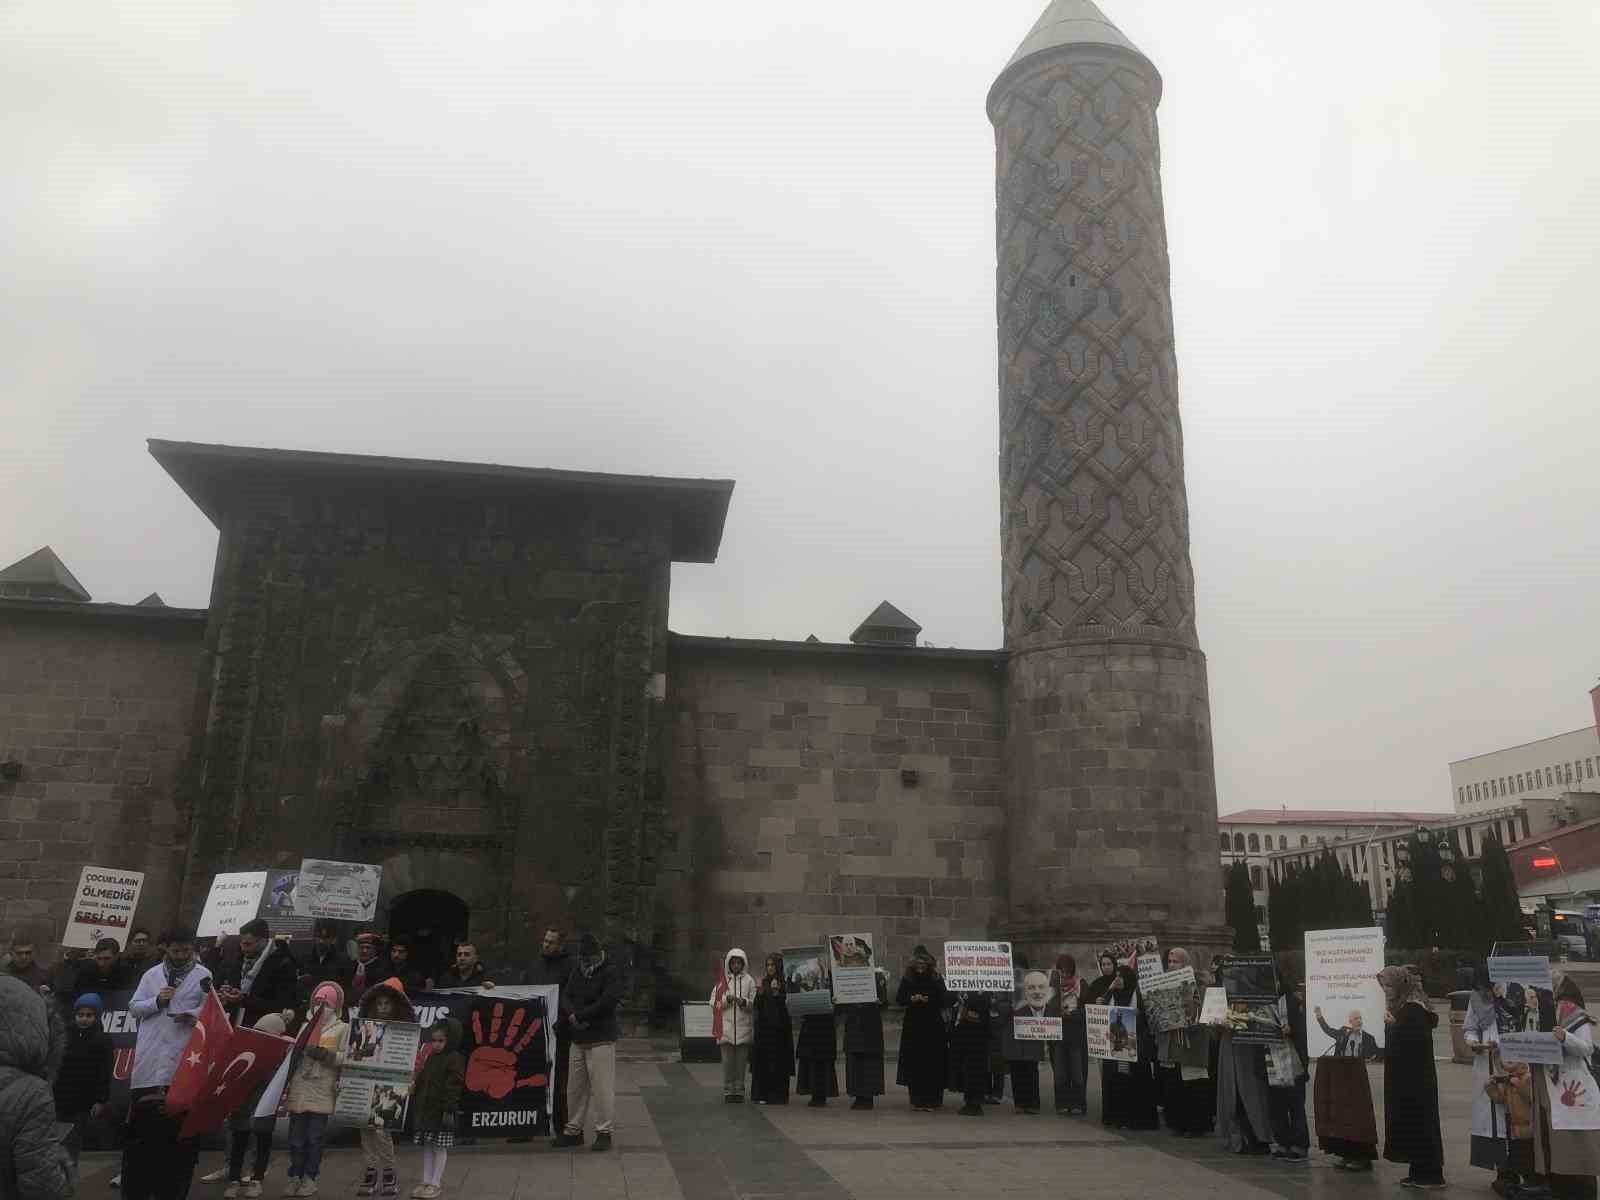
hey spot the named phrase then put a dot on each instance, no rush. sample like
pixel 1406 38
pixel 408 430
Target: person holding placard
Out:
pixel 1566 1103
pixel 816 1050
pixel 1128 1089
pixel 969 1052
pixel 1183 1066
pixel 1023 1057
pixel 1410 1081
pixel 1481 1031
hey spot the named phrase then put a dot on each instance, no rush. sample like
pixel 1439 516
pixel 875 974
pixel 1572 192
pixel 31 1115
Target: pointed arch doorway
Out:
pixel 433 922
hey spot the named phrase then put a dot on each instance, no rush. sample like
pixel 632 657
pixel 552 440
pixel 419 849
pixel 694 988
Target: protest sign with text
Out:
pixel 1171 999
pixel 806 976
pixel 337 891
pixel 102 907
pixel 1342 991
pixel 1528 970
pixel 978 966
pixel 234 898
pixel 379 1061
pixel 851 962
pixel 1539 1048
pixel 1113 1032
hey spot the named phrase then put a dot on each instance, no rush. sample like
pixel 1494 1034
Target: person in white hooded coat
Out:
pixel 734 1022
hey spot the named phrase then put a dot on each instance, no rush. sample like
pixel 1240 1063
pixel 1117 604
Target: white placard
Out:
pixel 1113 1033
pixel 1214 1007
pixel 1528 970
pixel 697 1020
pixel 234 898
pixel 1148 967
pixel 338 891
pixel 1343 993
pixel 102 907
pixel 854 981
pixel 1036 1029
pixel 1530 1048
pixel 977 966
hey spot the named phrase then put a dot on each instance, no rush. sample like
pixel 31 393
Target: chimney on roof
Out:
pixel 886 626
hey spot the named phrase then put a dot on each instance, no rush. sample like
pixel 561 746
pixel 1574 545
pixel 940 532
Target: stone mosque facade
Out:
pixel 465 674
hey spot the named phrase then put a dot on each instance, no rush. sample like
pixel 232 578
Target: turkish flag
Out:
pixel 211 1032
pixel 249 1057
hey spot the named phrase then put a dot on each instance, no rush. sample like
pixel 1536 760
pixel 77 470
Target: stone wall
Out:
pixel 788 816
pixel 95 704
pixel 455 683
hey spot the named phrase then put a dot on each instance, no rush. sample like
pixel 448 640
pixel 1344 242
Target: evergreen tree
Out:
pixel 1241 909
pixel 1500 908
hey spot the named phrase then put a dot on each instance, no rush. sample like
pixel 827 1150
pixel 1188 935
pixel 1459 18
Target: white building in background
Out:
pixel 1255 835
pixel 1568 762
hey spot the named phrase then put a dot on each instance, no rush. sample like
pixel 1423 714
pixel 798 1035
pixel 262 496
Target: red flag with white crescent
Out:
pixel 211 1032
pixel 249 1056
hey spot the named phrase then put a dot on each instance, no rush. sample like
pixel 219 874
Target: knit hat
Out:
pixel 271 1023
pixel 89 1000
pixel 329 993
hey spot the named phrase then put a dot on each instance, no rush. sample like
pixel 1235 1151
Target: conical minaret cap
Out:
pixel 1068 25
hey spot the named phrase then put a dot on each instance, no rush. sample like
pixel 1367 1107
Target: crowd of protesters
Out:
pixel 1198 1081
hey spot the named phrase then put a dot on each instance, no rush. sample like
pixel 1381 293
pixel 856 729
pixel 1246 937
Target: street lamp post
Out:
pixel 1565 882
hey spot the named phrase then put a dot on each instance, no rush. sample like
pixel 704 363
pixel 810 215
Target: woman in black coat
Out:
pixel 772 1052
pixel 924 1046
pixel 1410 1081
pixel 1128 1089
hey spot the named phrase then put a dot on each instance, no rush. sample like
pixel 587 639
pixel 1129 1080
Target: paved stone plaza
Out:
pixel 677 1140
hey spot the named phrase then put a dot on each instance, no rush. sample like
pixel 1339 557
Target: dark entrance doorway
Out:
pixel 433 922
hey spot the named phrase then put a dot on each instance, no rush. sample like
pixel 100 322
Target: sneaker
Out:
pixel 416 1192
pixel 291 1186
pixel 220 1175
pixel 564 1139
pixel 369 1182
pixel 1292 1155
pixel 116 1180
pixel 232 1191
pixel 602 1143
pixel 391 1184
pixel 252 1189
pixel 308 1187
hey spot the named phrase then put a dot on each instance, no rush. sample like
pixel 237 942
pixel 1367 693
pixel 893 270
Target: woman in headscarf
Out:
pixel 1568 1158
pixel 1244 1109
pixel 1410 1083
pixel 1095 991
pixel 969 1052
pixel 1128 1089
pixel 772 1054
pixel 1069 1058
pixel 923 1045
pixel 1481 1030
pixel 1182 1064
pixel 816 1051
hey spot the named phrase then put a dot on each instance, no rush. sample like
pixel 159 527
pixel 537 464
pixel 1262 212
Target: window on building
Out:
pixel 1256 880
pixel 1283 842
pixel 1238 843
pixel 1386 854
pixel 1511 833
pixel 1304 840
pixel 1526 832
pixel 1461 795
pixel 1471 853
pixel 1549 780
pixel 1589 764
pixel 1321 841
pixel 1255 843
pixel 1520 784
pixel 1226 843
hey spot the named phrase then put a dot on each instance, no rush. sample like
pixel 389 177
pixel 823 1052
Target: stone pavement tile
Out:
pixel 892 1123
pixel 634 1126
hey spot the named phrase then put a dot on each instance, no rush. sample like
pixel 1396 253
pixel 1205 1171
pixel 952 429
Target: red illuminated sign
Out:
pixel 1544 862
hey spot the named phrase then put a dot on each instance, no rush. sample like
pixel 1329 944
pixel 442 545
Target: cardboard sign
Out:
pixel 1214 1007
pixel 234 898
pixel 1250 977
pixel 806 978
pixel 1525 969
pixel 1342 991
pixel 852 963
pixel 337 891
pixel 977 966
pixel 102 907
pixel 1036 1029
pixel 1539 1048
pixel 1171 1000
pixel 1113 1032
pixel 1148 967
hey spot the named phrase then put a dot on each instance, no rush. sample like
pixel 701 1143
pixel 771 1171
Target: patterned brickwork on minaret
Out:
pixel 1110 787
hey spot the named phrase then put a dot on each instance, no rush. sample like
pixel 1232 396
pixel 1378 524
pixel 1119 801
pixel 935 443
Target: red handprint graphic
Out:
pixel 1572 1093
pixel 492 1069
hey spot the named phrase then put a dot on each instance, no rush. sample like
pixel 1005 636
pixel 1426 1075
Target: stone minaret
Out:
pixel 1109 785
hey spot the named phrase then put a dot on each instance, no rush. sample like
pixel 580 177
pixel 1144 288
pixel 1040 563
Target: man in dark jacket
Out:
pixel 102 974
pixel 265 979
pixel 554 966
pixel 594 991
pixel 370 968
pixel 22 963
pixel 325 961
pixel 467 971
pixel 400 967
pixel 32 1162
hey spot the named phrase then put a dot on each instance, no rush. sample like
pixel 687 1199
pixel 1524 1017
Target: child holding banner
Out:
pixel 434 1101
pixel 383 1002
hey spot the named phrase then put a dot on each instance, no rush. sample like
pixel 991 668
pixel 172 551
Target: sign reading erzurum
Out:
pixel 102 907
pixel 1342 992
pixel 337 891
pixel 977 966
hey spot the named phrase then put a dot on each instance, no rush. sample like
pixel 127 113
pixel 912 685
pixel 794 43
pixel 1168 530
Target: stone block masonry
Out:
pixel 95 705
pixel 816 788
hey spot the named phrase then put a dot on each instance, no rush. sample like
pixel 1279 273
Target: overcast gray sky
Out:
pixel 756 240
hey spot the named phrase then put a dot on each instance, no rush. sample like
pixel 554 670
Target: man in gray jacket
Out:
pixel 33 1162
